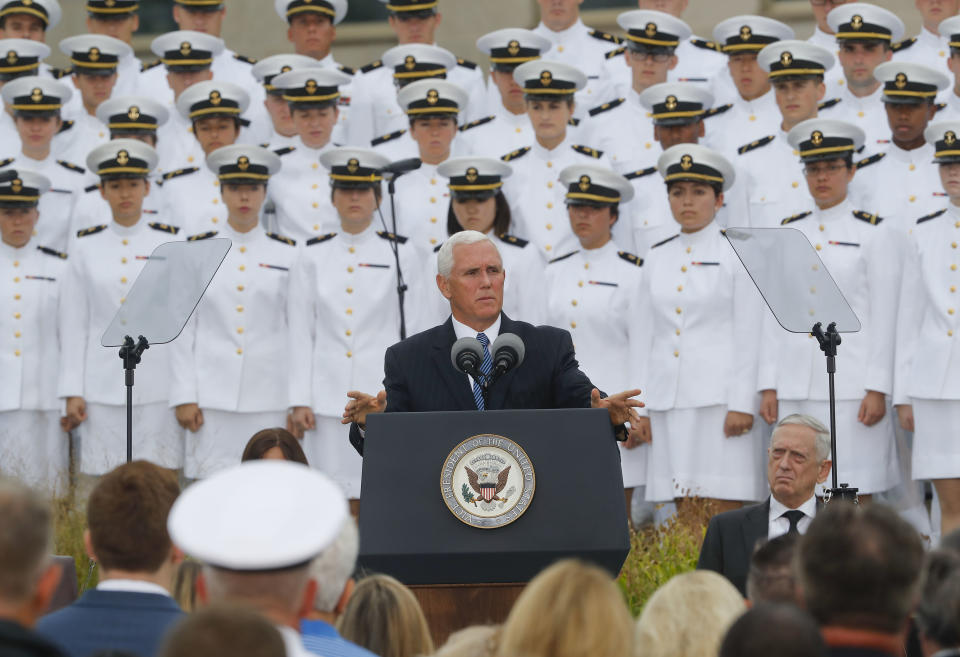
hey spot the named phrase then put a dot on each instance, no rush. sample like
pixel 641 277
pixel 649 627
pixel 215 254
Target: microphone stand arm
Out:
pixel 829 341
pixel 130 353
pixel 401 285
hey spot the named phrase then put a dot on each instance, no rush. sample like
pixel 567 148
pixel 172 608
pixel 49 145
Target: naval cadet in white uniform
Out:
pixel 106 259
pixel 950 28
pixel 33 447
pixel 29 19
pixel 699 59
pixel 118 19
pixel 228 367
pixel 860 252
pixel 929 47
pixel 284 133
pixel 23 57
pixel 344 312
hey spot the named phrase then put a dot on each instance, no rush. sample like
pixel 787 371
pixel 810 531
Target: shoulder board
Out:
pixel 63 256
pixel 871 219
pixel 164 228
pixel 903 45
pixel 6 162
pixel 604 36
pixel 438 247
pixel 586 150
pixel 615 53
pixel 146 67
pixel 280 238
pixel 662 242
pixel 179 172
pixel 639 173
pixel 940 106
pixel 574 122
pixel 322 238
pixel 202 236
pixel 827 104
pixel 466 63
pixel 796 217
pixel 71 166
pixel 930 216
pixel 714 111
pixel 91 188
pixel 285 150
pixel 516 241
pixel 706 45
pixel 346 69
pixel 372 66
pixel 385 138
pixel 632 259
pixel 512 155
pixel 60 73
pixel 474 124
pixel 93 230
pixel 746 148
pixel 600 109
pixel 873 159
pixel 244 59
pixel 64 126
pixel 399 239
pixel 563 257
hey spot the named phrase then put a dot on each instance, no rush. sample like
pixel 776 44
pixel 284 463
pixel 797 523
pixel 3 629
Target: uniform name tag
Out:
pixel 370 264
pixel 603 283
pixel 40 278
pixel 274 267
pixel 844 243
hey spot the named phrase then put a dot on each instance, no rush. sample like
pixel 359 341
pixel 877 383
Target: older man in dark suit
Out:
pixel 420 377
pixel 799 459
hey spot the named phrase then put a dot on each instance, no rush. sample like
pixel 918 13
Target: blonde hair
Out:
pixel 688 616
pixel 571 609
pixel 473 641
pixel 384 617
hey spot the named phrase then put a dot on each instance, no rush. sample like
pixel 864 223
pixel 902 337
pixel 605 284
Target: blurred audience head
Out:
pixel 27 578
pixel 384 617
pixel 768 629
pixel 223 631
pixel 951 541
pixel 938 613
pixel 771 577
pixel 688 616
pixel 571 609
pixel 333 571
pixel 475 641
pixel 127 522
pixel 274 443
pixel 859 567
pixel 185 584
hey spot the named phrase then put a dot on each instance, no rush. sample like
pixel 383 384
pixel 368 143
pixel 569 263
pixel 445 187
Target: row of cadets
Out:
pixel 23 58
pixel 117 19
pixel 30 19
pixel 950 29
pixel 343 311
pixel 105 260
pixel 32 445
pixel 228 367
pixel 930 47
pixel 283 133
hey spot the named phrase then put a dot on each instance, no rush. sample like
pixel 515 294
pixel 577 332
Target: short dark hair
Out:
pixel 773 629
pixel 771 577
pixel 414 119
pixel 716 187
pixel 938 613
pixel 529 98
pixel 236 121
pixel 501 220
pixel 377 191
pixel 859 567
pixel 223 631
pixel 951 541
pixel 25 536
pixel 127 517
pixel 265 440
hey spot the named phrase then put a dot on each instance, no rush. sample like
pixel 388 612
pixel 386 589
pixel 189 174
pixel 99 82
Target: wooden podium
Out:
pixel 452 607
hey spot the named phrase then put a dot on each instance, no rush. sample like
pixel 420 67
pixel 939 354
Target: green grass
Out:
pixel 69 523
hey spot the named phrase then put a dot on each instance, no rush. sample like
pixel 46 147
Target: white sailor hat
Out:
pixel 132 115
pixel 311 87
pixel 474 177
pixel 24 190
pixel 825 139
pixel 354 167
pixel 590 184
pixel 95 54
pixel 676 103
pixel 212 98
pixel 35 95
pixel 648 29
pixel 792 58
pixel 122 158
pixel 19 57
pixel 200 5
pixel 949 28
pixel 860 21
pixel 243 164
pixel 749 33
pixel 258 516
pixel 906 83
pixel 431 98
pixel 112 9
pixel 945 137
pixel 548 78
pixel 186 50
pixel 695 163
pixel 413 8
pixel 47 11
pixel 512 46
pixel 413 61
pixel 270 67
pixel 334 10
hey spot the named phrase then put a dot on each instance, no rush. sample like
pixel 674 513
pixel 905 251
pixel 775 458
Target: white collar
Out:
pixel 777 509
pixel 461 330
pixel 556 36
pixel 132 586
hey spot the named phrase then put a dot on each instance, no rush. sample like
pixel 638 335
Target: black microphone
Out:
pixel 508 352
pixel 401 167
pixel 466 355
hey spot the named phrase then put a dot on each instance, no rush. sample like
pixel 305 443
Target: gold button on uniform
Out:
pixel 822 228
pixel 860 114
pixel 215 220
pixel 16 297
pixel 243 249
pixel 679 310
pixel 433 220
pixel 433 240
pixel 239 288
pixel 349 332
pixel 315 204
pixel 676 354
pixel 239 352
pixel 794 184
pixel 16 279
pixel 953 288
pixel 125 242
pixel 123 279
pixel 549 165
pixel 549 185
pixel 239 309
pixel 950 311
pixel 819 247
pixel 16 263
pixel 352 250
pixel 433 199
pixel 678 331
pixel 16 334
pixel 239 329
pixel 16 315
pixel 573 325
pixel 349 311
pixel 123 261
pixel 314 165
pixel 242 268
pixel 586 265
pixel 314 186
pixel 123 299
pixel 349 270
pixel 579 283
pixel 16 352
pixel 953 267
pixel 549 226
pixel 548 248
pixel 679 288
pixel 912 198
pixel 573 303
pixel 349 354
pixel 549 206
pixel 950 334
pixel 953 245
pixel 349 290
pixel 688 249
pixel 683 269
pixel 913 167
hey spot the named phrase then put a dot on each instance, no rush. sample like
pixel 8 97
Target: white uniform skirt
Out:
pixel 936 449
pixel 34 449
pixel 219 443
pixel 690 457
pixel 867 456
pixel 329 450
pixel 103 437
pixel 633 462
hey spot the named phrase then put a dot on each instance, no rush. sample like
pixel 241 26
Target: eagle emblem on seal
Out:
pixel 488 483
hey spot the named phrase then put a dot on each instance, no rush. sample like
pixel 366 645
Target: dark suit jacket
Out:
pixel 418 374
pixel 18 641
pixel 730 539
pixel 111 620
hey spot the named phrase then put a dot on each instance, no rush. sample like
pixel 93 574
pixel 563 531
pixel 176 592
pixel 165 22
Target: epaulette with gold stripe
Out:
pixel 244 59
pixel 703 44
pixel 91 188
pixel 903 45
pixel 716 111
pixel 320 239
pixel 280 238
pixel 639 173
pixel 827 104
pixel 285 150
pixel 202 236
pixel 615 53
pixel 632 259
pixel 438 247
pixel 513 155
pixel 164 228
pixel 746 148
pixel 65 125
pixel 71 166
pixel 52 252
pixel 563 257
pixel 516 241
pixel 939 106
pixel 93 230
pixel 146 67
pixel 662 242
pixel 574 121
pixel 604 36
pixel 6 162
pixel 372 66
pixel 474 124
pixel 796 217
pixel 179 172
pixel 871 219
pixel 932 215
pixel 346 69
pixel 586 150
pixel 385 138
pixel 873 159
pixel 392 237
pixel 600 109
pixel 466 63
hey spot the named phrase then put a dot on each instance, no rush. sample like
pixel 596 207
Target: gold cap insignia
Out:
pixel 27 3
pixel 651 29
pixel 786 58
pixel 686 162
pixel 671 103
pixel 745 33
pixel 353 164
pixel 856 22
pixel 123 157
pixel 36 95
pixel 110 3
pixel 949 138
pixel 546 78
pixel 186 48
pixel 286 69
pixel 900 81
pixel 584 183
pixel 94 54
pixel 12 57
pixel 311 86
pixel 816 137
pixel 513 47
pixel 409 62
pixel 433 97
pixel 16 185
pixel 133 113
pixel 215 97
pixel 243 162
pixel 472 174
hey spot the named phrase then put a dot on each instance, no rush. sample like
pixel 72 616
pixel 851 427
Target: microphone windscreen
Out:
pixel 466 345
pixel 510 341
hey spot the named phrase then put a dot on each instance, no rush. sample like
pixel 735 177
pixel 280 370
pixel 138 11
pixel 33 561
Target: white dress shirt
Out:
pixel 779 525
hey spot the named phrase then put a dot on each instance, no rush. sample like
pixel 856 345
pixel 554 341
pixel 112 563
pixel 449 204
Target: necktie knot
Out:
pixel 484 340
pixel 793 517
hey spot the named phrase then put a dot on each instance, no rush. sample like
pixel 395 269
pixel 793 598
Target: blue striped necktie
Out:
pixel 485 368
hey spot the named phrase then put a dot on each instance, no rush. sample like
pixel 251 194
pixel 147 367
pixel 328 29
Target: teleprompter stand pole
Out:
pixel 829 341
pixel 130 353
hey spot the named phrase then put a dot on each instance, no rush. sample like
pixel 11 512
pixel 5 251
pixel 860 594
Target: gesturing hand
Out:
pixel 361 405
pixel 620 406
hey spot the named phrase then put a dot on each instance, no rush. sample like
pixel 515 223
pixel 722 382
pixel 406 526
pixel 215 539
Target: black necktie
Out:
pixel 793 517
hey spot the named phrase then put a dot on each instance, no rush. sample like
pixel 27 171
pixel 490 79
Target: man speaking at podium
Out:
pixel 420 376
